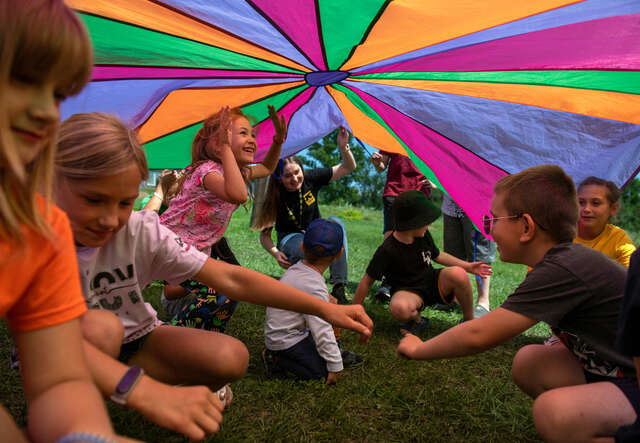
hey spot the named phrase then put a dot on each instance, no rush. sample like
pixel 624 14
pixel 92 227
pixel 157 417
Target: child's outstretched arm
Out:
pixel 243 284
pixel 231 187
pixel 62 399
pixel 363 289
pixel 468 338
pixel 478 268
pixel 270 160
pixel 194 411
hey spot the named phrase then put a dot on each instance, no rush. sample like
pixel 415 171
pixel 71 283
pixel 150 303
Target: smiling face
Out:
pixel 98 208
pixel 292 177
pixel 595 210
pixel 33 110
pixel 243 141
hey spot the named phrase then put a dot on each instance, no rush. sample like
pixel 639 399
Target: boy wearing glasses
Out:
pixel 404 260
pixel 574 289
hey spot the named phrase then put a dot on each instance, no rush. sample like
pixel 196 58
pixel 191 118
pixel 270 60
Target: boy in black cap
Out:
pixel 305 345
pixel 404 260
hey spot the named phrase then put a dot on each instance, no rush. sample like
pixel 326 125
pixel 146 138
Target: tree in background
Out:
pixel 363 187
pixel 628 217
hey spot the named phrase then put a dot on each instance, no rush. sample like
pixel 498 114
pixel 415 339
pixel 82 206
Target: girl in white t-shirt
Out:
pixel 99 168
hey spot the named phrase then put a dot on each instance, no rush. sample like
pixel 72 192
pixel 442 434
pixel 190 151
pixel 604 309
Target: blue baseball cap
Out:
pixel 323 238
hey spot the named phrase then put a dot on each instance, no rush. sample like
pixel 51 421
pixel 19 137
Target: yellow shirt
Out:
pixel 613 242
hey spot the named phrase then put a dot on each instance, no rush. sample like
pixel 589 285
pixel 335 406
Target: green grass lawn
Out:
pixel 386 399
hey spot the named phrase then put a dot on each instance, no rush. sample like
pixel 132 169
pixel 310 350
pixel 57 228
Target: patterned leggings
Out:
pixel 207 308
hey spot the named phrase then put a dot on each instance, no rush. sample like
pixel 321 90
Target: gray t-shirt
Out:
pixel 577 291
pixel 283 329
pixel 113 275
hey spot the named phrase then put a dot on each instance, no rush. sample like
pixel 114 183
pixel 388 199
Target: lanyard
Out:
pixel 293 217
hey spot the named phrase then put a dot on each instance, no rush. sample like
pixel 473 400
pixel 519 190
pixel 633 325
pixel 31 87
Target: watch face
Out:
pixel 128 380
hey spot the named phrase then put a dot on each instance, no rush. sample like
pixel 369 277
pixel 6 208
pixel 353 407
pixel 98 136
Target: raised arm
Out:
pixel 267 243
pixel 270 160
pixel 231 187
pixel 348 163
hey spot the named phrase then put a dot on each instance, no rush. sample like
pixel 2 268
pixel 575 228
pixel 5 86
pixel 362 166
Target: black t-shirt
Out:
pixel 629 330
pixel 577 291
pixel 402 265
pixel 294 217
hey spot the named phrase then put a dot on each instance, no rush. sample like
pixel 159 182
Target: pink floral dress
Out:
pixel 195 214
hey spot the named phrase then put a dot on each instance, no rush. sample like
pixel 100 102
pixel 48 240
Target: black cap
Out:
pixel 412 210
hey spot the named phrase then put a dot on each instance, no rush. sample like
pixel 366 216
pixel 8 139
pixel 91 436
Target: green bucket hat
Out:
pixel 412 210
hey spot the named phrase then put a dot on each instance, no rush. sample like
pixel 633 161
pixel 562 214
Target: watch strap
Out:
pixel 126 384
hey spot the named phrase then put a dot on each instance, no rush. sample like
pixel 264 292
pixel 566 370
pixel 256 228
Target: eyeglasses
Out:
pixel 487 221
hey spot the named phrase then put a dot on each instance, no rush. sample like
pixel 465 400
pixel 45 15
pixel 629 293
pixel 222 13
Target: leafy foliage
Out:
pixel 628 217
pixel 363 187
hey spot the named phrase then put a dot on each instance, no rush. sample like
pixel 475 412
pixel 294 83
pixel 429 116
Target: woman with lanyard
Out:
pixel 291 203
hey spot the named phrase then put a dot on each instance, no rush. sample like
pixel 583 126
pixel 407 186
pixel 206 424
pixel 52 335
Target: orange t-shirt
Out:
pixel 39 281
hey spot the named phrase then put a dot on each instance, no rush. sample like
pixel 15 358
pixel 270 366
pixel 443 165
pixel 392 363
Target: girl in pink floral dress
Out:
pixel 222 154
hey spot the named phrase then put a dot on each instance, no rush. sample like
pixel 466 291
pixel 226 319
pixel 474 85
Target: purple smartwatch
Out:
pixel 126 384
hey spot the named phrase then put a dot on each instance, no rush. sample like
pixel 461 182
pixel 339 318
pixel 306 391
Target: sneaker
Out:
pixel 414 327
pixel 350 359
pixel 480 311
pixel 14 361
pixel 269 360
pixel 383 294
pixel 339 293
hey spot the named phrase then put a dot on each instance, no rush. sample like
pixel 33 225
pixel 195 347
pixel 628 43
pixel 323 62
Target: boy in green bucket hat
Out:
pixel 404 260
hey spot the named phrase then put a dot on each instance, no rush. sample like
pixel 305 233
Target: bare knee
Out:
pixel 552 418
pixel 401 311
pixel 235 356
pixel 103 330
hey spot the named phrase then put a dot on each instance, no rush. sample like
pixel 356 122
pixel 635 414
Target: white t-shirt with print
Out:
pixel 143 251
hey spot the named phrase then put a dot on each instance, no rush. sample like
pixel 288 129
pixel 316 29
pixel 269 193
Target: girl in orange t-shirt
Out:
pixel 45 56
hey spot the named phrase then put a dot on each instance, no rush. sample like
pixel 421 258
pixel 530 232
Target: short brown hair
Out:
pixel 612 193
pixel 548 195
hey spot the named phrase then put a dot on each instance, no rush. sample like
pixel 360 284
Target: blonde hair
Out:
pixel 97 145
pixel 40 39
pixel 548 195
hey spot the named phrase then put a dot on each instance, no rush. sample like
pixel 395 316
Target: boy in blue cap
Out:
pixel 300 344
pixel 404 260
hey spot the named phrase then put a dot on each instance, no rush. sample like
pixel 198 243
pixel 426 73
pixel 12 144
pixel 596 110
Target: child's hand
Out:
pixel 194 411
pixel 222 139
pixel 279 124
pixel 343 137
pixel 282 259
pixel 408 345
pixel 480 268
pixel 350 317
pixel 332 378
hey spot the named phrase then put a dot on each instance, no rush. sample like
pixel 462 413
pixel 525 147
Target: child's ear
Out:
pixel 614 209
pixel 528 228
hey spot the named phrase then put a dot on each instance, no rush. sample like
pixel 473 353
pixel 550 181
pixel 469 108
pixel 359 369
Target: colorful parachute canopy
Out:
pixel 471 91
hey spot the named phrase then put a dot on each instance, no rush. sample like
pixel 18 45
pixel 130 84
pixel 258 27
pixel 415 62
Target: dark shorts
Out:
pixel 429 295
pixel 130 349
pixel 302 360
pixel 462 240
